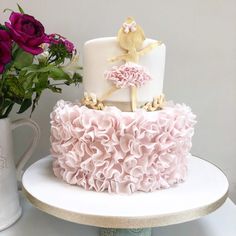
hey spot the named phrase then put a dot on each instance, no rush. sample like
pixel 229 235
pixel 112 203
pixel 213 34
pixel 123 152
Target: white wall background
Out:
pixel 200 66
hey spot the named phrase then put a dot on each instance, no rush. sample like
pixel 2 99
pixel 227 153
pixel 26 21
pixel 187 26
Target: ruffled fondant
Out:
pixel 121 151
pixel 128 74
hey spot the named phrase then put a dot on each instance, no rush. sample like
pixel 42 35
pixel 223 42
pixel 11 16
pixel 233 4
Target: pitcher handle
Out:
pixel 30 149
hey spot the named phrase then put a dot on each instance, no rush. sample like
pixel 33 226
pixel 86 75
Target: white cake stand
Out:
pixel 204 191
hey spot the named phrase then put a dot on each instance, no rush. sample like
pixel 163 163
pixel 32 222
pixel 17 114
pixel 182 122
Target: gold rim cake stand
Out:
pixel 204 191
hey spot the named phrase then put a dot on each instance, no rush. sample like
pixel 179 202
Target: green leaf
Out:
pixel 3 27
pixel 31 68
pixel 22 59
pixel 5 103
pixel 7 112
pixel 20 9
pixel 38 68
pixel 15 47
pixel 42 82
pixel 6 106
pixel 26 80
pixel 54 89
pixel 58 53
pixel 58 74
pixel 78 78
pixel 14 89
pixel 7 67
pixel 25 105
pixel 35 102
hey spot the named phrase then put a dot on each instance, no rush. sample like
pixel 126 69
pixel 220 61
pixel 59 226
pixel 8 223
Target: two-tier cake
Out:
pixel 123 136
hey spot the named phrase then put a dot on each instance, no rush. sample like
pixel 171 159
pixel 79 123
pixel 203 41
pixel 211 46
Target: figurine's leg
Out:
pixel 126 232
pixel 134 98
pixel 108 93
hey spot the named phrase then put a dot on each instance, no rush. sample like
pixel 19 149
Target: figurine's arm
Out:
pixel 149 48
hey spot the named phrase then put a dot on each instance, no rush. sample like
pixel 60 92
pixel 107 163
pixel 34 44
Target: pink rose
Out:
pixel 27 32
pixel 5 49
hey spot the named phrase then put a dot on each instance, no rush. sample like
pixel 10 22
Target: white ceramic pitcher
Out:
pixel 10 209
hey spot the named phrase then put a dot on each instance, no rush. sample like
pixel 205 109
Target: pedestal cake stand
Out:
pixel 117 215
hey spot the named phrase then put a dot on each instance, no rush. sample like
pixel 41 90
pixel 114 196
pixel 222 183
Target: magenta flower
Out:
pixel 128 74
pixel 5 49
pixel 69 46
pixel 58 39
pixel 54 39
pixel 27 32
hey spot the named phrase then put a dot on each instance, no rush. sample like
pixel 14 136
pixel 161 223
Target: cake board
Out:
pixel 204 191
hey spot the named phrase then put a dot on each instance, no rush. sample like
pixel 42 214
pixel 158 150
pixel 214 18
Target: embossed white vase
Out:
pixel 10 209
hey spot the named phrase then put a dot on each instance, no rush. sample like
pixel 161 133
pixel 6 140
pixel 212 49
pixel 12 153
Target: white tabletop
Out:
pixel 198 196
pixel 33 222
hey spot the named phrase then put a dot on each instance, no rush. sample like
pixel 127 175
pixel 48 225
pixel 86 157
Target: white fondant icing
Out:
pixel 97 53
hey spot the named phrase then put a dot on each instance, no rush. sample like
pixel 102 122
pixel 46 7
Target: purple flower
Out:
pixel 27 32
pixel 58 39
pixel 54 39
pixel 69 46
pixel 5 49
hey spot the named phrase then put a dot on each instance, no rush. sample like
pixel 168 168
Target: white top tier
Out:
pixel 97 53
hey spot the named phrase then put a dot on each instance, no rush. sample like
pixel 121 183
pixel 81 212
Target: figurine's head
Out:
pixel 131 35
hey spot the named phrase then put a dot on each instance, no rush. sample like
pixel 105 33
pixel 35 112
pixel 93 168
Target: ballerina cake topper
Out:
pixel 130 38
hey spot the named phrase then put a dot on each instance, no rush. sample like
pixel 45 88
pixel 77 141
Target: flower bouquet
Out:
pixel 31 61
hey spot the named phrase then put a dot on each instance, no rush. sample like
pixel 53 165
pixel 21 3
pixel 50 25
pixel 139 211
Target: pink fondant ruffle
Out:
pixel 128 75
pixel 120 151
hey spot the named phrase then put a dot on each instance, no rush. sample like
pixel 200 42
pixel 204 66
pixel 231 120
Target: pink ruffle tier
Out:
pixel 121 151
